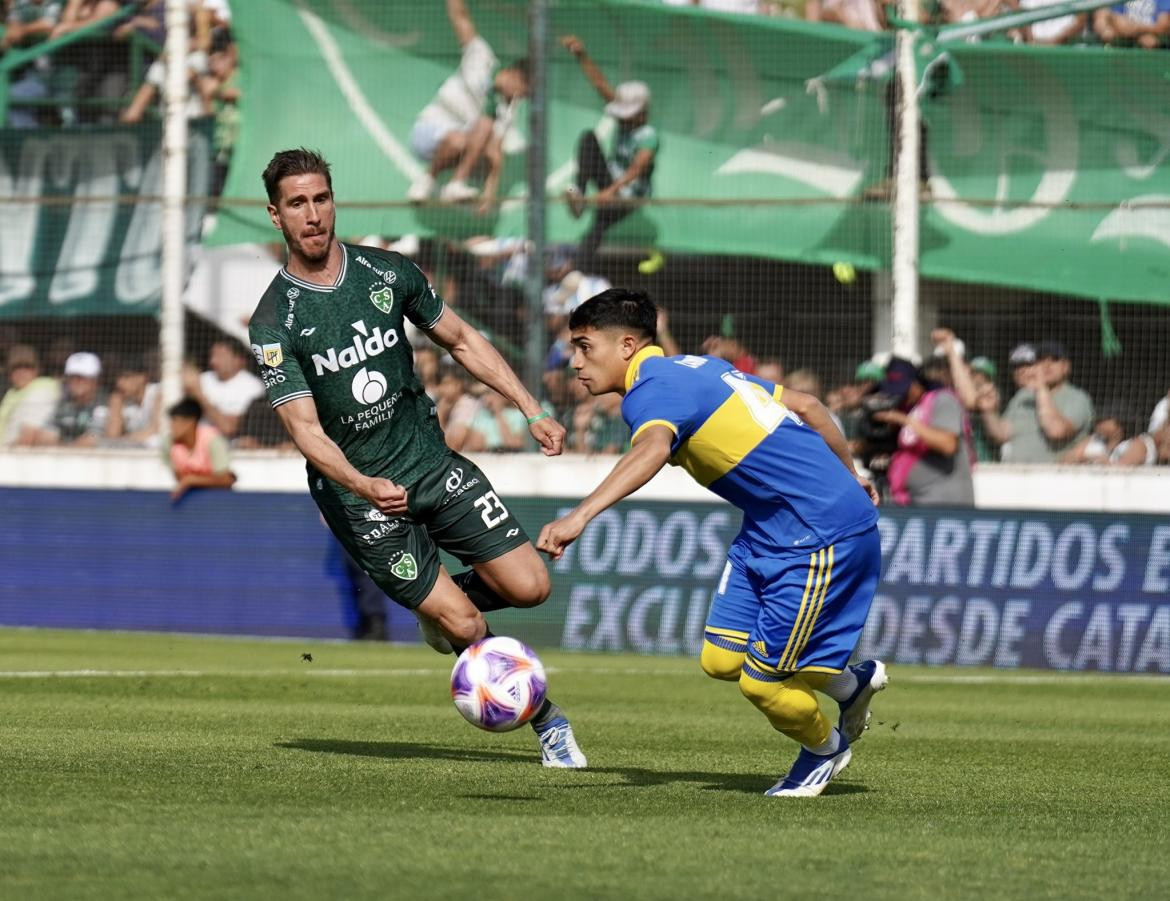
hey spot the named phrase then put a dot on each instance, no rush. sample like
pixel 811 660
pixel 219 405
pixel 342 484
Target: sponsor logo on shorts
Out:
pixel 404 566
pixel 760 648
pixel 512 533
pixel 375 516
pixel 455 479
pixel 382 530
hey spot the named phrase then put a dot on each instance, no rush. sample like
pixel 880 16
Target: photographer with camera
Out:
pixel 930 464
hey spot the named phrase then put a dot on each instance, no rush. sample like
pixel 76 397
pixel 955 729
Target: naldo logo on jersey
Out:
pixel 365 344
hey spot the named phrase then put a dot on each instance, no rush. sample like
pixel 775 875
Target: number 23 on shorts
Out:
pixel 489 504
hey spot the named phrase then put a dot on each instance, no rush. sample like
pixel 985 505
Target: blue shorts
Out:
pixel 795 611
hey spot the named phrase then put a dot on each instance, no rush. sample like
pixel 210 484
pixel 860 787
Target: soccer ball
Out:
pixel 498 684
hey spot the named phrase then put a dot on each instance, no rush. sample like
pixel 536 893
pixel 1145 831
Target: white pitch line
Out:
pixel 331 53
pixel 914 678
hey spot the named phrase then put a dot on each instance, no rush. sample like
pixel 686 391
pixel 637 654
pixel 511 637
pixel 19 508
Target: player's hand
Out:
pixel 558 535
pixel 573 44
pixel 869 489
pixel 387 497
pixel 549 434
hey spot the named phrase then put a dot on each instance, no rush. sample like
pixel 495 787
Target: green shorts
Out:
pixel 452 508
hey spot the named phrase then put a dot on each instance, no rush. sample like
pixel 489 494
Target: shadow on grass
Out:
pixel 747 783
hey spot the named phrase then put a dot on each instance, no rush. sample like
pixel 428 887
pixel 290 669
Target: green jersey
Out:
pixel 344 346
pixel 626 145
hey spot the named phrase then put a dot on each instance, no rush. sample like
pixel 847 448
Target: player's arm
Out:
pixel 473 352
pixel 574 45
pixel 300 419
pixel 461 22
pixel 651 451
pixel 813 412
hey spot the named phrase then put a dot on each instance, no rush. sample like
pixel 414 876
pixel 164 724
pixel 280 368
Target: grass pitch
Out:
pixel 178 767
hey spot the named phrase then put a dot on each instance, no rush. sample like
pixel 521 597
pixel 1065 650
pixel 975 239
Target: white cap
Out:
pixel 84 364
pixel 629 99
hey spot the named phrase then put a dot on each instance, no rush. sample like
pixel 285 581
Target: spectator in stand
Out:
pixel 426 366
pixel 79 419
pixel 221 85
pixel 1160 417
pixel 608 432
pixel 31 398
pixel 860 15
pixel 1047 415
pixel 28 22
pixel 742 7
pixel 932 463
pixel 227 389
pixel 261 429
pixel 199 454
pixel 983 374
pixel 135 410
pixel 102 65
pixel 1099 446
pixel 732 350
pixel 1061 30
pixel 770 369
pixel 807 382
pixel 1143 23
pixel 497 425
pixel 469 121
pixel 848 410
pixel 152 87
pixel 456 408
pixel 627 173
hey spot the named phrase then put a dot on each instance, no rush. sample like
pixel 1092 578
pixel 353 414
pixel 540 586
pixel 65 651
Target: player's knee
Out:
pixel 789 708
pixel 463 628
pixel 720 663
pixel 530 588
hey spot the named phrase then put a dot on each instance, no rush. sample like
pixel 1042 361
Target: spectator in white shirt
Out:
pixel 227 389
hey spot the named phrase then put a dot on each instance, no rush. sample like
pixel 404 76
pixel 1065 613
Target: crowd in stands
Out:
pixel 1137 23
pixel 90 77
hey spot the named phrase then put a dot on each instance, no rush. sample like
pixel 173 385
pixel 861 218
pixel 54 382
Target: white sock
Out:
pixel 830 746
pixel 841 686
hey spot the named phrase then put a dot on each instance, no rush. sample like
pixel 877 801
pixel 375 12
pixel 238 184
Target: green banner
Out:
pixel 1046 164
pixel 77 235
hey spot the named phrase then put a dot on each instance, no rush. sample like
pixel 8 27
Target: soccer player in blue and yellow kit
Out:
pixel 800 576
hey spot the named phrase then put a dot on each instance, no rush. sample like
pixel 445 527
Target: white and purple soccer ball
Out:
pixel 498 684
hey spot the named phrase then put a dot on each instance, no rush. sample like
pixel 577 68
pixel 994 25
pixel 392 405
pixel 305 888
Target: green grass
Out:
pixel 257 775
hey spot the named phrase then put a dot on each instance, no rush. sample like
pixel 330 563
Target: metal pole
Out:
pixel 537 173
pixel 904 311
pixel 174 262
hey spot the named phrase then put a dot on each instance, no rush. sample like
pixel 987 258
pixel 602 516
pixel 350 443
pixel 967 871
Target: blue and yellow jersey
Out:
pixel 734 435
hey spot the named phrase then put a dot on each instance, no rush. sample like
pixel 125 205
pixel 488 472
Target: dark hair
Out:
pixel 618 308
pixel 233 344
pixel 523 67
pixel 294 162
pixel 187 408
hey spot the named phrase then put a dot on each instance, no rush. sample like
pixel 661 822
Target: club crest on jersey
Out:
pixel 273 355
pixel 405 567
pixel 382 298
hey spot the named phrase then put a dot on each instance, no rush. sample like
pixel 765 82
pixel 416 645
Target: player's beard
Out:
pixel 299 246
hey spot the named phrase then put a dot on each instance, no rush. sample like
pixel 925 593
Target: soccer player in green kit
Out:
pixel 328 336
